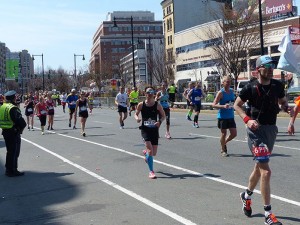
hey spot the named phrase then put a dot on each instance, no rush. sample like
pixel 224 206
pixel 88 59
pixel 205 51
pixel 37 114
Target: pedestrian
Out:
pixel 134 99
pixel 224 102
pixel 191 85
pixel 12 125
pixel 162 97
pixel 41 112
pixel 51 103
pixel 194 97
pixel 152 116
pixel 172 93
pixel 121 101
pixel 291 126
pixel 82 109
pixel 264 95
pixel 29 111
pixel 63 99
pixel 71 100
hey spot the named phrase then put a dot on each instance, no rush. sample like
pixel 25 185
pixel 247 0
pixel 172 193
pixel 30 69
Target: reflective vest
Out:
pixel 5 119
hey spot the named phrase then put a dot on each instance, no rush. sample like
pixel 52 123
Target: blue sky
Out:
pixel 60 28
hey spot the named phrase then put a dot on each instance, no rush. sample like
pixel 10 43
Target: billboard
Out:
pixel 12 69
pixel 269 7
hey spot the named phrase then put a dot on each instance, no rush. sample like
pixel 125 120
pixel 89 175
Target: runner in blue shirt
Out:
pixel 71 100
pixel 195 96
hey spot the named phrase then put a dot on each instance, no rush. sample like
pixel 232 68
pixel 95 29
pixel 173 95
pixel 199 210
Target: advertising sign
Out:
pixel 269 7
pixel 274 7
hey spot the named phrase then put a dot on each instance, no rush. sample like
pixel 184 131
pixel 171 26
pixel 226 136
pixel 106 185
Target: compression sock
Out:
pixel 248 194
pixel 190 113
pixel 150 162
pixel 267 209
pixel 196 119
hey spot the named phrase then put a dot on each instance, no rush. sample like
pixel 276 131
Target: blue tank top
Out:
pixel 196 96
pixel 227 98
pixel 164 98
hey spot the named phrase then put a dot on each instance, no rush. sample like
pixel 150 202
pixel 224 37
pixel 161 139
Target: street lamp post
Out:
pixel 261 29
pixel 75 66
pixel 132 47
pixel 42 69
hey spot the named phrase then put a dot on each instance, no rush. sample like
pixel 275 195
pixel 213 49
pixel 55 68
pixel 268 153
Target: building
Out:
pixel 195 60
pixel 115 37
pixel 181 15
pixel 149 62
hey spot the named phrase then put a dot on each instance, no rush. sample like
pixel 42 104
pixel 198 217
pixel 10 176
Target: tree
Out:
pixel 234 36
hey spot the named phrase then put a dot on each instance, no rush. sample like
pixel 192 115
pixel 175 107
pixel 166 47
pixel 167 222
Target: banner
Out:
pixel 275 7
pixel 290 51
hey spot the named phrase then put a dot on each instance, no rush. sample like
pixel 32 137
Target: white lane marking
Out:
pixel 118 187
pixel 183 169
pixel 101 122
pixel 237 140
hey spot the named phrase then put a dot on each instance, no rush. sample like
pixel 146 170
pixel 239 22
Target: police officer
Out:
pixel 12 124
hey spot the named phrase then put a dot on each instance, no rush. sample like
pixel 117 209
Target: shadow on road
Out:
pixel 28 199
pixel 182 176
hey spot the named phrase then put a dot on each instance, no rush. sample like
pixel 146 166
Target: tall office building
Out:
pixel 113 39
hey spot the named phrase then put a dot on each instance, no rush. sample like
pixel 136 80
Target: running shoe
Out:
pixel 224 154
pixel 48 128
pixel 43 133
pixel 145 153
pixel 152 175
pixel 32 129
pixel 272 220
pixel 69 124
pixel 83 134
pixel 74 127
pixel 51 128
pixel 246 205
pixel 188 118
pixel 167 135
pixel 196 125
pixel 29 128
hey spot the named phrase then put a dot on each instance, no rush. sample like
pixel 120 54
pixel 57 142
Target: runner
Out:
pixel 163 98
pixel 91 101
pixel 71 100
pixel 172 93
pixel 82 109
pixel 50 109
pixel 41 112
pixel 195 96
pixel 121 101
pixel 191 85
pixel 150 110
pixel 63 99
pixel 224 102
pixel 134 99
pixel 264 95
pixel 29 111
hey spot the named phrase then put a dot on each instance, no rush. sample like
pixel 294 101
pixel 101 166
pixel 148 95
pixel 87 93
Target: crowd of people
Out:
pixel 262 95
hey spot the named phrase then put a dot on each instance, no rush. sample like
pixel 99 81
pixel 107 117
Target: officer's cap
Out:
pixel 10 95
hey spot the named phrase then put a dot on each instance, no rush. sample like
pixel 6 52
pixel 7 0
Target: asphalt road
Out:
pixel 102 179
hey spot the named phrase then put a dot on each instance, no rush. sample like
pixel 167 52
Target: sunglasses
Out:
pixel 268 66
pixel 150 92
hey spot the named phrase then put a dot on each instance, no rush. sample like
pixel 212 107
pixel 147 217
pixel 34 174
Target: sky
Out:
pixel 58 29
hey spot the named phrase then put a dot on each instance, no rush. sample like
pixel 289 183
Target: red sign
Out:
pixel 275 7
pixel 295 35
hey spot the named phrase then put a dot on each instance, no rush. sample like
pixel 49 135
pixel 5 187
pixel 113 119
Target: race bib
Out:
pixel 43 112
pixel 51 108
pixel 29 110
pixel 197 98
pixel 82 108
pixel 261 152
pixel 149 123
pixel 73 103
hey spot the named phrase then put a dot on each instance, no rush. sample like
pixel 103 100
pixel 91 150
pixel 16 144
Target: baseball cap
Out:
pixel 264 59
pixel 73 90
pixel 10 95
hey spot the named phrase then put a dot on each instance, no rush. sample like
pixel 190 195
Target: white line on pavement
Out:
pixel 101 122
pixel 279 146
pixel 183 169
pixel 116 186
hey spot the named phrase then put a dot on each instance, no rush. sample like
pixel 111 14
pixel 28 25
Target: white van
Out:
pixel 241 84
